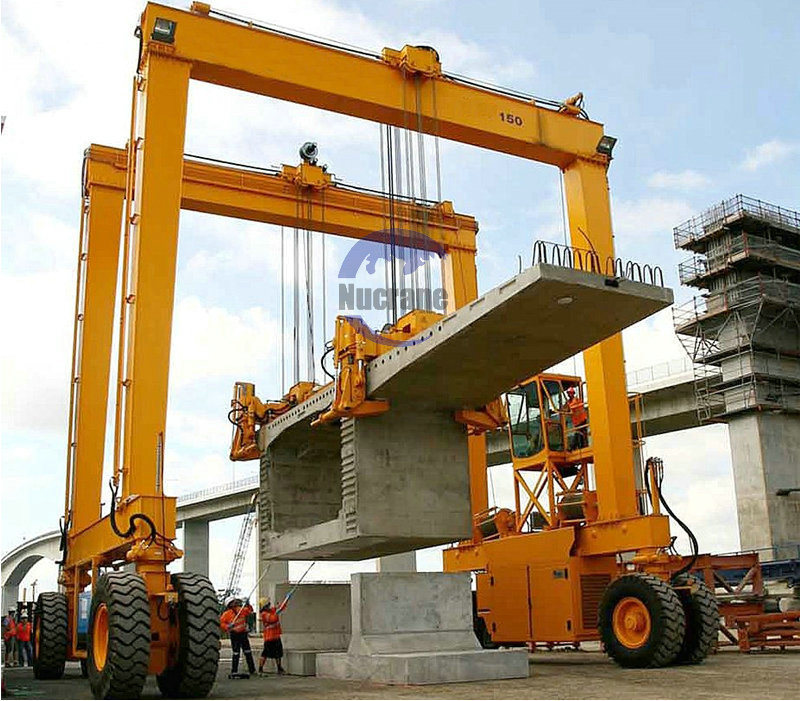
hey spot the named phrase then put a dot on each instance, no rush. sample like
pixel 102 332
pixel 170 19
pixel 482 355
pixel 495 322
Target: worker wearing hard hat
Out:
pixel 234 622
pixel 24 641
pixel 10 639
pixel 271 624
pixel 580 436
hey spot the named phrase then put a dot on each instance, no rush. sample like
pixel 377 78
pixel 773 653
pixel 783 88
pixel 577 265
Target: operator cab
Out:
pixel 547 415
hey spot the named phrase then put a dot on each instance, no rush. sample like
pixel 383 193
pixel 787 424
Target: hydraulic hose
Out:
pixel 131 521
pixel 692 538
pixel 328 351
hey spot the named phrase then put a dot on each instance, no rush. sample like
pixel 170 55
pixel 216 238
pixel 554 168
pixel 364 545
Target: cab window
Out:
pixel 524 417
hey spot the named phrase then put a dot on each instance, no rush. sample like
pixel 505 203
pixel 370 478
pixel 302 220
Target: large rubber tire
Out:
pixel 195 670
pixel 667 621
pixel 50 636
pixel 702 621
pixel 127 653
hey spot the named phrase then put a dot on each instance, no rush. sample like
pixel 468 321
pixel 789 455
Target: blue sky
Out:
pixel 703 98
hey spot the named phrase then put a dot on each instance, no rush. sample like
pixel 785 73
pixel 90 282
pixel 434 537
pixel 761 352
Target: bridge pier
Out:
pixel 764 450
pixel 10 597
pixel 195 546
pixel 401 562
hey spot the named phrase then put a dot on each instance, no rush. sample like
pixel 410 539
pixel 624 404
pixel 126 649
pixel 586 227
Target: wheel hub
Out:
pixel 631 621
pixel 100 636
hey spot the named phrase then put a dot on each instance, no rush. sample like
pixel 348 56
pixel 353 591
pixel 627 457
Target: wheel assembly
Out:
pixel 197 659
pixel 702 620
pixel 641 621
pixel 119 636
pixel 50 636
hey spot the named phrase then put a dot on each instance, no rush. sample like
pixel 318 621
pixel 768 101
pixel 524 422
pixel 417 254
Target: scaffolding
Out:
pixel 747 324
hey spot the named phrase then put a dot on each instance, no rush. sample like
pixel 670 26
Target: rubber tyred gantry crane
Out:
pixel 149 621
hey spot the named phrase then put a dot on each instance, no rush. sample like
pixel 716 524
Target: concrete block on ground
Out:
pixel 416 628
pixel 317 617
pixel 389 484
pixel 425 667
pixel 300 663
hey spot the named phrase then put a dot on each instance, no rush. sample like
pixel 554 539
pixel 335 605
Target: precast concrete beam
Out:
pixel 376 486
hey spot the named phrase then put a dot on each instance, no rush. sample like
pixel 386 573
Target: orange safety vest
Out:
pixel 226 620
pixel 24 632
pixel 578 412
pixel 9 628
pixel 271 622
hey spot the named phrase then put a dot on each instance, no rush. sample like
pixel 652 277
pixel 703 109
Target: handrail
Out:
pixel 227 488
pixel 713 219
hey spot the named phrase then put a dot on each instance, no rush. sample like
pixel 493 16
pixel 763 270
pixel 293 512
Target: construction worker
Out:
pixel 10 639
pixel 579 417
pixel 271 624
pixel 234 622
pixel 24 641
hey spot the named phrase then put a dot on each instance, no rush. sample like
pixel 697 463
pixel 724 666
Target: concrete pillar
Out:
pixel 416 629
pixel 195 546
pixel 764 450
pixel 402 562
pixel 10 594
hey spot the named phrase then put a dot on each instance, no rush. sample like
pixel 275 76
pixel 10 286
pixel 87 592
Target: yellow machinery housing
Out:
pixel 556 570
pixel 148 621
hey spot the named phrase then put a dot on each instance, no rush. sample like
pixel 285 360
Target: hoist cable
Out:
pixel 283 315
pixel 423 191
pixel 324 278
pixel 384 206
pixel 436 144
pixel 392 241
pixel 296 307
pixel 398 183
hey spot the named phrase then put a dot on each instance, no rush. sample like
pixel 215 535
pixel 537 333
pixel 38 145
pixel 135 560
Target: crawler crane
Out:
pixel 125 624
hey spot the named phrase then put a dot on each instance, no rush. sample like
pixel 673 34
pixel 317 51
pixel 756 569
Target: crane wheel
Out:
pixel 195 669
pixel 641 621
pixel 119 636
pixel 50 636
pixel 702 620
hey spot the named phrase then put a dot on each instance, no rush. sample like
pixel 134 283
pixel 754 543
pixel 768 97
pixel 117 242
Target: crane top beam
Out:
pixel 271 196
pixel 404 88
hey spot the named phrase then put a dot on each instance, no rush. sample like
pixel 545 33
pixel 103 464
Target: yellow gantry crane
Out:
pixel 126 624
pixel 80 623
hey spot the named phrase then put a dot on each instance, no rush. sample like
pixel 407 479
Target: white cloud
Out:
pixel 638 219
pixel 768 153
pixel 683 180
pixel 652 341
pixel 212 342
pixel 36 316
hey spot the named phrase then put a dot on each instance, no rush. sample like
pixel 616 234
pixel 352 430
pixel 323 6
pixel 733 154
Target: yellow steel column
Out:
pixel 588 206
pixel 460 280
pixel 159 171
pixel 102 259
pixel 459 277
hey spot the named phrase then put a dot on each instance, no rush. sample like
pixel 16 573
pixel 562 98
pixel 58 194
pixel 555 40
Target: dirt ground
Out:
pixel 558 675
